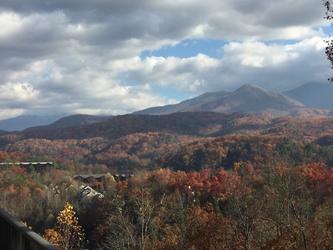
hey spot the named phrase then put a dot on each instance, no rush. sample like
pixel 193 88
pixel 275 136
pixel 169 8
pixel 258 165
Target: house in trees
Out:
pixel 87 193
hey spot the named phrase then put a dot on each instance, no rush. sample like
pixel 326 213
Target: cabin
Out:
pixel 87 193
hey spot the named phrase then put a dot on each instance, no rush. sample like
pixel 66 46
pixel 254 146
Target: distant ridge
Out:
pixel 25 121
pixel 314 95
pixel 246 99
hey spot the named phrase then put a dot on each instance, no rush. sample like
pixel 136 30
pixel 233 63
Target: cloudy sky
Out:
pixel 117 56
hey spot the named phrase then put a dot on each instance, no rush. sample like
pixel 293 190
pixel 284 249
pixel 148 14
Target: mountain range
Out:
pixel 309 99
pixel 246 99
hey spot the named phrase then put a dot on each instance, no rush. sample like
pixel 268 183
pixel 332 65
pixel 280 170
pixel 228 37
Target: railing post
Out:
pixel 14 235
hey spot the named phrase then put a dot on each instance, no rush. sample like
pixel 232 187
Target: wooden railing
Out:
pixel 14 235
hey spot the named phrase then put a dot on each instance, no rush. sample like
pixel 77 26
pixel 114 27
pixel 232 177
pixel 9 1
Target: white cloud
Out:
pixel 83 56
pixel 272 65
pixel 9 23
pixel 258 54
pixel 17 92
pixel 10 113
pixel 182 73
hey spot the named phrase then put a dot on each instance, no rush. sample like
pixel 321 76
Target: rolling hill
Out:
pixel 71 121
pixel 188 123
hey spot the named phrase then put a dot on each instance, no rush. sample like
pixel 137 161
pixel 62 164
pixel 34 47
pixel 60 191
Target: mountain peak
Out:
pixel 250 87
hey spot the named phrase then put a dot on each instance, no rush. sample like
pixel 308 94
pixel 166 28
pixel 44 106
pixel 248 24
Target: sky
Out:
pixel 119 56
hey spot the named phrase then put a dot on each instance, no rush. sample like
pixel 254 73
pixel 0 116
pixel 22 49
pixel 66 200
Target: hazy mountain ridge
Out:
pixel 25 121
pixel 314 95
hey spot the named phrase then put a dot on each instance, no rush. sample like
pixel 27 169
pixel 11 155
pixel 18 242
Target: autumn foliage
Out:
pixel 266 188
pixel 68 234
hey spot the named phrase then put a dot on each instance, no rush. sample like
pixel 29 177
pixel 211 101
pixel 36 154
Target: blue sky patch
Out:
pixel 189 48
pixel 170 92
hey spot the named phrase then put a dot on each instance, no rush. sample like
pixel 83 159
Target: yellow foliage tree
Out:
pixel 68 234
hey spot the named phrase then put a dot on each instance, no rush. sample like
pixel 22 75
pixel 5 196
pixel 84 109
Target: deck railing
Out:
pixel 14 235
